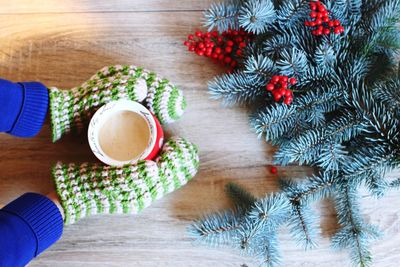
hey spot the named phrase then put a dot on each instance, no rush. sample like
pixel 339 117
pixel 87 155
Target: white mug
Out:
pixel 105 133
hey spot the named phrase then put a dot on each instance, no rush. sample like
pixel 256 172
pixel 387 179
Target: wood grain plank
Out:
pixel 63 50
pixel 71 6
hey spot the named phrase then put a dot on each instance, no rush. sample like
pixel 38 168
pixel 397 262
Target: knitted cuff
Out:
pixel 33 111
pixel 42 216
pixel 94 189
pixel 72 109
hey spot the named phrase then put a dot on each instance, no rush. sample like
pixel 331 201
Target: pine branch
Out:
pixel 236 88
pixel 322 146
pixel 313 189
pixel 291 12
pixel 304 227
pixel 256 16
pixel 240 197
pixel 367 162
pixel 260 67
pixel 271 211
pixel 266 216
pixel 348 11
pixel 274 45
pixel 276 121
pixel 219 229
pixel 377 116
pixel 270 255
pixel 380 20
pixel 384 16
pixel 292 63
pixel 389 93
pixel 377 185
pixel 354 234
pixel 223 16
pixel 395 184
pixel 325 55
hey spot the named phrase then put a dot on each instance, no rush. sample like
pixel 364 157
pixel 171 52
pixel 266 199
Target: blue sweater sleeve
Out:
pixel 28 226
pixel 23 107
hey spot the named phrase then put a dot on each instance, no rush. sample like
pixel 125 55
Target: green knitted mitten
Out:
pixel 95 189
pixel 72 109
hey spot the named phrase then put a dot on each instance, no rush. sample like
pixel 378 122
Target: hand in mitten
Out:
pixel 72 109
pixel 96 189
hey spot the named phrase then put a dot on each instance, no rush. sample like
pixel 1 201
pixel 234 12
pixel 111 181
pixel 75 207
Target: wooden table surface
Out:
pixel 62 43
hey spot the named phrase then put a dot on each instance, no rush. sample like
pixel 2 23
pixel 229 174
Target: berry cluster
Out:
pixel 223 48
pixel 279 87
pixel 321 22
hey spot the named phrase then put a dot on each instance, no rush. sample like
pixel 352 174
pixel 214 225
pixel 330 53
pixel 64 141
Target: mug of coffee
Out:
pixel 123 132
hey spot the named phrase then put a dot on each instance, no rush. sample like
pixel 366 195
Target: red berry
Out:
pixel 341 29
pixel 318 21
pixel 336 23
pixel 274 170
pixel 186 43
pixel 238 39
pixel 281 91
pixel 191 48
pixel 331 24
pixel 313 6
pixel 201 45
pixel 325 19
pixel 270 87
pixel 284 78
pixel 228 49
pixel 218 50
pixel 292 81
pixel 221 57
pixel 287 101
pixel 227 60
pixel 327 31
pixel 239 52
pixel 287 93
pixel 275 79
pixel 229 43
pixel 312 23
pixel 313 14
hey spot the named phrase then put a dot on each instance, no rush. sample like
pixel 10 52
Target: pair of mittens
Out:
pixel 89 189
